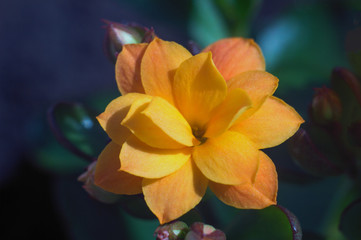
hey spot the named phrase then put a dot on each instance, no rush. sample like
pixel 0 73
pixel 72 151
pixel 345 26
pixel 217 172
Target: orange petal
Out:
pixel 142 160
pixel 261 194
pixel 174 195
pixel 159 63
pixel 198 88
pixel 228 159
pixel 108 176
pixel 235 104
pixel 258 84
pixel 114 114
pixel 159 124
pixel 271 125
pixel 233 56
pixel 127 68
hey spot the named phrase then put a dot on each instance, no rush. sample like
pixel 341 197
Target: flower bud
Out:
pixel 118 34
pixel 94 191
pixel 171 231
pixel 201 231
pixel 326 107
pixel 346 84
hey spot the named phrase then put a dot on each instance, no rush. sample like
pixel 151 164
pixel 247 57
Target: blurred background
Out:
pixel 52 51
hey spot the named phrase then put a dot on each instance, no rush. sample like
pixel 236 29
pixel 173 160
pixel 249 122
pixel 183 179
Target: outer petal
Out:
pixel 142 160
pixel 258 84
pixel 159 63
pixel 174 195
pixel 159 124
pixel 235 104
pixel 108 176
pixel 271 125
pixel 228 159
pixel 114 113
pixel 259 195
pixel 127 68
pixel 198 89
pixel 233 56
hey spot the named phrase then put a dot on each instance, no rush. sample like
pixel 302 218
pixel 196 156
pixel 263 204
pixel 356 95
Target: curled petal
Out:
pixel 235 104
pixel 271 125
pixel 159 124
pixel 114 114
pixel 139 159
pixel 258 84
pixel 198 88
pixel 262 193
pixel 233 56
pixel 159 63
pixel 127 68
pixel 172 196
pixel 108 176
pixel 228 159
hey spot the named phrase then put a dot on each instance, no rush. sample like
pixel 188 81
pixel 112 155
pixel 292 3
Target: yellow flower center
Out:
pixel 198 134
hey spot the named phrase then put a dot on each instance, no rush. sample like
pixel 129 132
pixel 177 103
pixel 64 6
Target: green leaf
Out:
pixel 206 23
pixel 350 223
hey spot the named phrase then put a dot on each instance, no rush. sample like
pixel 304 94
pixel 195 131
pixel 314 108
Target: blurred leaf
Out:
pixel 297 46
pixel 350 222
pixel 274 222
pixel 206 23
pixel 135 206
pixel 308 157
pixel 55 158
pixel 355 61
pixel 76 128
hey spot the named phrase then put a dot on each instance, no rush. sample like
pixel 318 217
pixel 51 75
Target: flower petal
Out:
pixel 174 195
pixel 271 125
pixel 108 176
pixel 114 113
pixel 198 88
pixel 233 56
pixel 127 68
pixel 159 124
pixel 159 63
pixel 235 104
pixel 228 159
pixel 258 84
pixel 142 160
pixel 261 194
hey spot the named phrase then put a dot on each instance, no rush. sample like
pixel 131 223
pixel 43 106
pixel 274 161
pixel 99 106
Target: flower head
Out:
pixel 185 123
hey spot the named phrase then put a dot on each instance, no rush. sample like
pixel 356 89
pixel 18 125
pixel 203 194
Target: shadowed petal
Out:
pixel 127 68
pixel 108 176
pixel 228 159
pixel 233 56
pixel 258 84
pixel 271 125
pixel 259 195
pixel 174 195
pixel 159 63
pixel 114 114
pixel 142 160
pixel 198 88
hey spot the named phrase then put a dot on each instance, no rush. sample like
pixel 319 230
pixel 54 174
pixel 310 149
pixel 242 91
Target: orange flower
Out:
pixel 188 122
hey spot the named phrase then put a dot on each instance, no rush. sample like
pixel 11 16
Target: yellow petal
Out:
pixel 114 114
pixel 235 104
pixel 108 176
pixel 228 159
pixel 174 195
pixel 159 63
pixel 127 68
pixel 233 56
pixel 259 195
pixel 258 84
pixel 159 124
pixel 142 160
pixel 198 88
pixel 271 125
